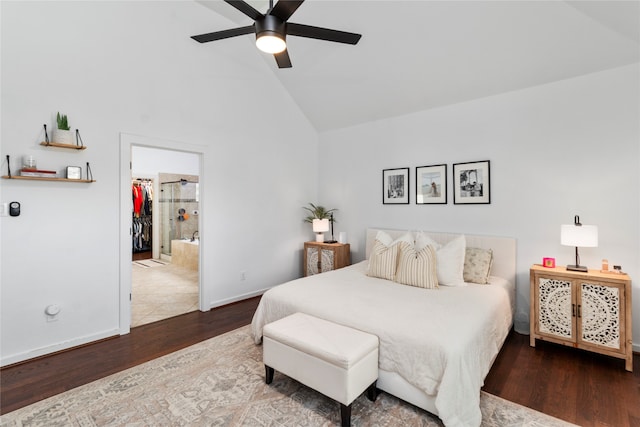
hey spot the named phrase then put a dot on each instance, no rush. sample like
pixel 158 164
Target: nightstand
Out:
pixel 590 311
pixel 320 257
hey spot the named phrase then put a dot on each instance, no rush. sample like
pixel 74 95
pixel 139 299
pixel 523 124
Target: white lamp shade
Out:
pixel 320 225
pixel 584 236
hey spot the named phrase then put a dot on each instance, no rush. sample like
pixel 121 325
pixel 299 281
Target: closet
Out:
pixel 141 224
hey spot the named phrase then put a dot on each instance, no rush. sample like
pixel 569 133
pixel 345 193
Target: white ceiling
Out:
pixel 417 55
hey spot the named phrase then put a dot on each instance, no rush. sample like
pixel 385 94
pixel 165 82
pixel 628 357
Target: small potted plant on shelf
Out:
pixel 319 216
pixel 62 134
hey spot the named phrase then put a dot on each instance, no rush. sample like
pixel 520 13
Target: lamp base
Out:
pixel 577 268
pixel 320 237
pixel 331 241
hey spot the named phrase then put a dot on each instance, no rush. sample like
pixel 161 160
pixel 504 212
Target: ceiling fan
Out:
pixel 272 28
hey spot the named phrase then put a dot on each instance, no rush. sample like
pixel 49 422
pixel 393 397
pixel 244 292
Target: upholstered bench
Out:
pixel 335 360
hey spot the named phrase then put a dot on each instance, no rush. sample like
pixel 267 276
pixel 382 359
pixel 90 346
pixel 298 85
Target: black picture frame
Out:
pixel 472 183
pixel 431 185
pixel 395 186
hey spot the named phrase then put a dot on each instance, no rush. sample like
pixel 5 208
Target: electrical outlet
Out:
pixel 4 209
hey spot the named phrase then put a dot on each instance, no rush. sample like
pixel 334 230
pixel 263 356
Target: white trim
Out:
pixel 237 298
pixel 64 345
pixel 126 142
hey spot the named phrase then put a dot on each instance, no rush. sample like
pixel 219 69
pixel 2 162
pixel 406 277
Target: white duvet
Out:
pixel 443 341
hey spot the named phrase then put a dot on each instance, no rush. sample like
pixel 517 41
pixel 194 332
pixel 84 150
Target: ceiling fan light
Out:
pixel 270 43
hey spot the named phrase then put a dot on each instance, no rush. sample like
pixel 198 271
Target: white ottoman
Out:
pixel 337 361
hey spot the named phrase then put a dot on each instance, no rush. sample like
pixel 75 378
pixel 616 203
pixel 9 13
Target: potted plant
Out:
pixel 319 216
pixel 62 133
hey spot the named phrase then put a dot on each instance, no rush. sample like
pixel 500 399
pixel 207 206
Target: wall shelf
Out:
pixel 39 178
pixel 57 144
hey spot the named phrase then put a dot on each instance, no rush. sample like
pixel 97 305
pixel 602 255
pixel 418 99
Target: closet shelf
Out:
pixel 57 144
pixel 39 178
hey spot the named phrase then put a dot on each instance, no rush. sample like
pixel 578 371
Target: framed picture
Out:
pixel 395 186
pixel 431 184
pixel 471 183
pixel 74 172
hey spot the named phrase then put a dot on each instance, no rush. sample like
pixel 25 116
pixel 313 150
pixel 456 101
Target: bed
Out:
pixel 436 345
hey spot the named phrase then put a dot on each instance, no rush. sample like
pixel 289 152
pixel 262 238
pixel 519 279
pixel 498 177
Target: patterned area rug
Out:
pixel 220 382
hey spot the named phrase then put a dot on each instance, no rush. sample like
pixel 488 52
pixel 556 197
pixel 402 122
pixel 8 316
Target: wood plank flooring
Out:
pixel 576 386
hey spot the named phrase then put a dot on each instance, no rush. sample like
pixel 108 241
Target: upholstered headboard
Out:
pixel 504 248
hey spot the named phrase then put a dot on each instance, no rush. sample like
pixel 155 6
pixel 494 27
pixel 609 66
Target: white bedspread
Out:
pixel 442 341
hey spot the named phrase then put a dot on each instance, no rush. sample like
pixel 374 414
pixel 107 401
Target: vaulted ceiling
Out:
pixel 416 55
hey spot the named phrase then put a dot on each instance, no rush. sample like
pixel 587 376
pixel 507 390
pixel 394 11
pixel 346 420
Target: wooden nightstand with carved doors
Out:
pixel 320 257
pixel 590 311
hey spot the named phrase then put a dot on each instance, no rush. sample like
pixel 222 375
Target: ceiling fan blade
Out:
pixel 282 59
pixel 224 34
pixel 311 32
pixel 245 8
pixel 285 8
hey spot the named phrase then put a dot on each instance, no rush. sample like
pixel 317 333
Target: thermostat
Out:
pixel 14 208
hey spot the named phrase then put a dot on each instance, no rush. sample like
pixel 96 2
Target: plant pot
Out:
pixel 63 137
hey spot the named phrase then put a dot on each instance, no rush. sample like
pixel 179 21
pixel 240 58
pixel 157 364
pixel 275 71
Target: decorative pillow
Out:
pixel 386 240
pixel 422 241
pixel 477 265
pixel 383 259
pixel 417 268
pixel 450 265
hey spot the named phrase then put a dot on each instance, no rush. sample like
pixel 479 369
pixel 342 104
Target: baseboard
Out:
pixel 237 298
pixel 50 349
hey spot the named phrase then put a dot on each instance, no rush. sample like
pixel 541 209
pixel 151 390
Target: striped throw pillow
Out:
pixel 417 268
pixel 383 261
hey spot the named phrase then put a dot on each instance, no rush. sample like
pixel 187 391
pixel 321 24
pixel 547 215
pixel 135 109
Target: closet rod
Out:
pixel 180 182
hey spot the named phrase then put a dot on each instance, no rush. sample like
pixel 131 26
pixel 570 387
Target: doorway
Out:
pixel 166 280
pixel 179 204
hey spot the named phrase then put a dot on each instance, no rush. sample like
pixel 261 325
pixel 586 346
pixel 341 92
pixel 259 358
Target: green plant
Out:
pixel 317 212
pixel 63 124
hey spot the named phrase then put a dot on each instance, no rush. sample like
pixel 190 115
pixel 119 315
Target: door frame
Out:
pixel 127 141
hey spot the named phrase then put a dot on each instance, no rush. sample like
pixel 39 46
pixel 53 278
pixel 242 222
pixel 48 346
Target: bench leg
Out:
pixel 345 415
pixel 372 392
pixel 268 374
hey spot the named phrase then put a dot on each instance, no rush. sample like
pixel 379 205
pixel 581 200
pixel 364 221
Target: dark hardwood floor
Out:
pixel 583 388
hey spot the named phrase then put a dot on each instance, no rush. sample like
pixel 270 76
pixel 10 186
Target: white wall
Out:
pixel 151 161
pixel 558 150
pixel 130 67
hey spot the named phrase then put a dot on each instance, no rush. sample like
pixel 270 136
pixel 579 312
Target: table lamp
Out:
pixel 576 235
pixel 319 227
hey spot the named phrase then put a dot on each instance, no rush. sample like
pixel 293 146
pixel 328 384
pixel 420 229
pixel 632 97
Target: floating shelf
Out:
pixel 43 178
pixel 57 144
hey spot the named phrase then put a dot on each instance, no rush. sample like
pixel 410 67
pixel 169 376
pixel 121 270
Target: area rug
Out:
pixel 220 382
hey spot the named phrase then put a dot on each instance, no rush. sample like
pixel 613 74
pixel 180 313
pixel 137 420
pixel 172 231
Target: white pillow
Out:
pixel 450 265
pixel 417 268
pixel 386 240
